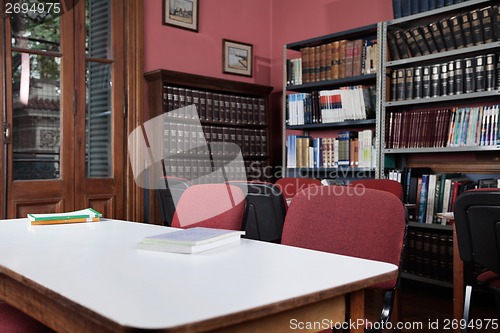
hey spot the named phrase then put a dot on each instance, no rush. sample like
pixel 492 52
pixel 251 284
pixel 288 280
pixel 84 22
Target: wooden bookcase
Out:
pixel 317 74
pixel 403 118
pixel 228 112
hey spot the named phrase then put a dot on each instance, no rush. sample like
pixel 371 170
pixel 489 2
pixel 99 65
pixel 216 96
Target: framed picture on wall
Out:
pixel 237 57
pixel 181 14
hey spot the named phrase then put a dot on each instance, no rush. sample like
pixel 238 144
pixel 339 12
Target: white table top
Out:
pixel 98 266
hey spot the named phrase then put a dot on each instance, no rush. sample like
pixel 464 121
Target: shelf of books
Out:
pixel 208 123
pixel 331 106
pixel 440 121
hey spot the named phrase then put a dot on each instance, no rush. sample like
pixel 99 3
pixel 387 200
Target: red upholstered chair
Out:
pixel 290 186
pixel 387 185
pixel 477 223
pixel 15 321
pixel 210 205
pixel 369 224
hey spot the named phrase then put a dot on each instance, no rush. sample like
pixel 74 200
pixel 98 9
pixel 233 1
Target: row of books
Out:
pixel 349 149
pixel 181 138
pixel 476 27
pixel 429 254
pixel 331 106
pixel 403 8
pixel 332 61
pixel 457 127
pixel 215 107
pixel 477 74
pixel 201 171
pixel 429 195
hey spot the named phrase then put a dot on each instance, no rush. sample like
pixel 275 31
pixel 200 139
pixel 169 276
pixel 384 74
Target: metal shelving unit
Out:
pixel 370 31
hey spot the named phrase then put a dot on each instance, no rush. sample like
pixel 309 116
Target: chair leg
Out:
pixel 468 294
pixel 497 300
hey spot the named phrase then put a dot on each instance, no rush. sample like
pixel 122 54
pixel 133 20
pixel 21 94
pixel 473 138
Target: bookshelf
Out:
pixel 438 109
pixel 231 114
pixel 331 105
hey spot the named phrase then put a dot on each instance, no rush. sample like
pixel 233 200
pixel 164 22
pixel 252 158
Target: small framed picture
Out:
pixel 181 14
pixel 237 57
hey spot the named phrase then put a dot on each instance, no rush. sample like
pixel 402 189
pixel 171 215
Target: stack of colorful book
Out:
pixel 84 215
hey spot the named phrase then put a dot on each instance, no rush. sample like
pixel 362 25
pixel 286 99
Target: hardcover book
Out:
pixel 409 83
pixel 84 215
pixel 456 29
pixel 447 34
pixel 477 30
pixel 469 79
pixel 438 37
pixel 466 29
pixel 435 81
pixel 412 44
pixel 429 39
pixel 487 24
pixel 459 76
pixel 451 78
pixel 480 84
pixel 490 72
pixel 426 81
pixel 417 82
pixel 419 39
pixel 193 240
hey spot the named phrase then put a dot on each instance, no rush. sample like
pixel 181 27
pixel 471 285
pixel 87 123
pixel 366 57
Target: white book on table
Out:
pixel 192 240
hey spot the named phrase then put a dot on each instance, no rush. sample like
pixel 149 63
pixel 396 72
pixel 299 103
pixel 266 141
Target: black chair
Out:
pixel 169 196
pixel 264 212
pixel 477 223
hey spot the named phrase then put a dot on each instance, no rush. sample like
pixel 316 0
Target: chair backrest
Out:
pixel 477 223
pixel 169 196
pixel 210 205
pixel 368 224
pixel 265 211
pixel 387 185
pixel 290 186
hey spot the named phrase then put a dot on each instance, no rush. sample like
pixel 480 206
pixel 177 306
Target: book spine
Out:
pixel 456 30
pixel 487 24
pixel 412 44
pixel 429 39
pixel 466 29
pixel 459 76
pixel 417 82
pixel 401 44
pixel 400 85
pixel 469 80
pixel 426 81
pixel 435 82
pixel 480 84
pixel 409 83
pixel 447 34
pixel 443 79
pixel 490 72
pixel 495 13
pixel 451 78
pixel 396 8
pixel 477 30
pixel 394 79
pixel 419 39
pixel 438 37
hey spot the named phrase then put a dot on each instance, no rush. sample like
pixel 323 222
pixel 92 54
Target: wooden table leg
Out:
pixel 458 282
pixel 357 310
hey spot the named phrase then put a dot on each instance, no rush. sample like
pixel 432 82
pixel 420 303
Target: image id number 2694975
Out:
pixel 29 7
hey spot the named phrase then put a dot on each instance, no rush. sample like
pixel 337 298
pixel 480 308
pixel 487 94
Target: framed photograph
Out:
pixel 181 14
pixel 237 57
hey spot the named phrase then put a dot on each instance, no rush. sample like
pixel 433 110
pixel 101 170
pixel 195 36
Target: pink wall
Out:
pixel 167 47
pixel 267 24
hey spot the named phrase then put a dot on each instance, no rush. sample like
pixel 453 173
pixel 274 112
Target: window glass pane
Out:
pixel 36 116
pixel 35 25
pixel 98 120
pixel 98 37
